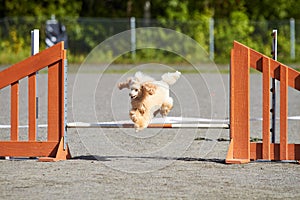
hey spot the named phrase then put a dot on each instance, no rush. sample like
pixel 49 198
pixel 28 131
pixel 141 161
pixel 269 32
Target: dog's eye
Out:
pixel 136 90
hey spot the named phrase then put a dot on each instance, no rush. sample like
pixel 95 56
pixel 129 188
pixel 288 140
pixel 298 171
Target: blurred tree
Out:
pixel 112 8
pixel 171 9
pixel 39 8
pixel 273 10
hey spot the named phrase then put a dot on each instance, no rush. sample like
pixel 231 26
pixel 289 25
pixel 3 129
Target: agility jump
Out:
pixel 55 147
pixel 240 149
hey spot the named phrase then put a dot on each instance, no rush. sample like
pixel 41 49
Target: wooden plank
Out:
pixel 240 102
pixel 27 149
pixel 232 103
pixel 14 115
pixel 32 107
pixel 256 152
pixel 294 76
pixel 31 64
pixel 266 108
pixel 62 153
pixel 283 112
pixel 53 102
pixel 294 152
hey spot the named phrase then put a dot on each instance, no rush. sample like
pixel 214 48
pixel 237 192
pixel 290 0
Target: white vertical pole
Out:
pixel 211 39
pixel 274 45
pixel 274 83
pixel 292 32
pixel 133 37
pixel 35 43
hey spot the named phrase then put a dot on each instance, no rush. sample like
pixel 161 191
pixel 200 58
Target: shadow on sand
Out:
pixel 109 158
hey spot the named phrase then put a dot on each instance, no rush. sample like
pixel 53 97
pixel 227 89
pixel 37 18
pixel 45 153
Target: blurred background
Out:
pixel 214 24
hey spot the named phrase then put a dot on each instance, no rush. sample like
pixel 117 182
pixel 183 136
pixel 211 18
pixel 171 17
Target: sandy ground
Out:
pixel 154 163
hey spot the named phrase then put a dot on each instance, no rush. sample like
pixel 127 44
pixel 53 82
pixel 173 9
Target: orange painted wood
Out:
pixel 270 69
pixel 14 115
pixel 256 151
pixel 294 152
pixel 61 154
pixel 229 158
pixel 53 102
pixel 294 78
pixel 160 126
pixel 31 65
pixel 240 102
pixel 266 108
pixel 53 58
pixel 232 113
pixel 283 112
pixel 32 107
pixel 229 155
pixel 27 148
pixel 255 59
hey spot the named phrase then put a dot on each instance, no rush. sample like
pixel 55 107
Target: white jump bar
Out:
pixel 152 125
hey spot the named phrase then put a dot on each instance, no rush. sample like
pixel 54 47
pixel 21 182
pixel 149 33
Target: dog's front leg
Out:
pixel 142 109
pixel 137 119
pixel 133 115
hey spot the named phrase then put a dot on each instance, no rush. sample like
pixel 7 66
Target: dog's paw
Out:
pixel 166 108
pixel 164 112
pixel 133 116
pixel 142 110
pixel 138 128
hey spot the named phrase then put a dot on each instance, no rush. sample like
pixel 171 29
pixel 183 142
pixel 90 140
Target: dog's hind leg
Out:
pixel 156 112
pixel 166 107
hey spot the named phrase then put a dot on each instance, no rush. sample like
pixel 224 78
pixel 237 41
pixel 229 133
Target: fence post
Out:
pixel 211 39
pixel 132 37
pixel 292 32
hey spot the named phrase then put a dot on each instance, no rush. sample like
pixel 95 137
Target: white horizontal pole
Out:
pixel 152 125
pixel 23 126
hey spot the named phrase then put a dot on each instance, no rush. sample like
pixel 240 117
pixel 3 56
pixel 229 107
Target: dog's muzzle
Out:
pixel 132 96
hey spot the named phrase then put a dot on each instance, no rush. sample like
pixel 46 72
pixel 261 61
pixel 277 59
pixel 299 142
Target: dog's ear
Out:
pixel 126 84
pixel 149 88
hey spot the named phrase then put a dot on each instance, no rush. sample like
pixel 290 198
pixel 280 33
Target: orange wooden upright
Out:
pixel 239 105
pixel 53 148
pixel 266 109
pixel 241 150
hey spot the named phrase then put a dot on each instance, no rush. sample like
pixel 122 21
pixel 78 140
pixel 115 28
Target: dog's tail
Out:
pixel 170 78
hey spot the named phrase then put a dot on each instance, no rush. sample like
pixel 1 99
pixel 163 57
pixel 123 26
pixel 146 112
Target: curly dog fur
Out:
pixel 149 97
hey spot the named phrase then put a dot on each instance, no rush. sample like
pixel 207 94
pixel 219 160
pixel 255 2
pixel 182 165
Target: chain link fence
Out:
pixel 215 36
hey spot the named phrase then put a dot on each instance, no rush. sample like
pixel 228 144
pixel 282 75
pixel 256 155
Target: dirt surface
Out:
pixel 151 164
